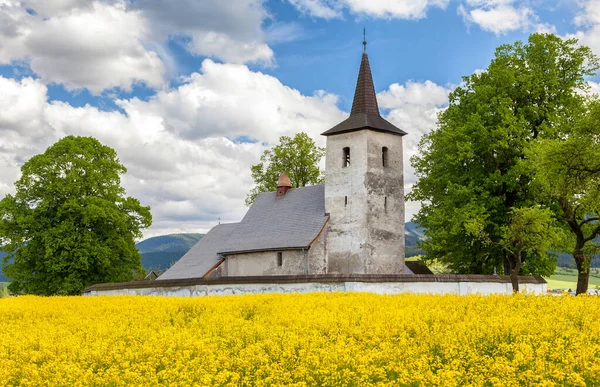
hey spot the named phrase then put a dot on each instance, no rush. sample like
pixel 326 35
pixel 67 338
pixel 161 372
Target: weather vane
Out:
pixel 365 38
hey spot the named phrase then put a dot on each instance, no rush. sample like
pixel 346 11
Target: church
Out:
pixel 351 225
pixel 346 235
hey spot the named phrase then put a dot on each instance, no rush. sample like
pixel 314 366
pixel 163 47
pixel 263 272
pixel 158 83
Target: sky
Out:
pixel 191 92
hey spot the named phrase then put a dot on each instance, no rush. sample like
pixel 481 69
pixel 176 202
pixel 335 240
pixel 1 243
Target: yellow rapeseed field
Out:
pixel 319 339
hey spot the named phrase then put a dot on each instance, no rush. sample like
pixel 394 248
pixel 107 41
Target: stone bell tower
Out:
pixel 364 188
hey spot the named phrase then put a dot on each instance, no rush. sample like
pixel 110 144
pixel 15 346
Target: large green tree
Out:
pixel 568 169
pixel 69 224
pixel 299 157
pixel 472 165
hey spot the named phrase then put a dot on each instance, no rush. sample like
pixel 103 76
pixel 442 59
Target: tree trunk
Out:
pixel 514 264
pixel 583 266
pixel 506 264
pixel 583 271
pixel 514 279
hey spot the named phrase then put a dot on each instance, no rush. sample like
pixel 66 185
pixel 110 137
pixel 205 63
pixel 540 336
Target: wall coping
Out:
pixel 318 278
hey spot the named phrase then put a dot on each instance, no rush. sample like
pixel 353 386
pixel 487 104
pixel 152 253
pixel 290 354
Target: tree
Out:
pixel 69 224
pixel 530 231
pixel 299 157
pixel 472 166
pixel 568 169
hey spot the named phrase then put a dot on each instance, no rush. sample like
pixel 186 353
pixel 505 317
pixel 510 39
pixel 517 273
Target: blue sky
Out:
pixel 191 92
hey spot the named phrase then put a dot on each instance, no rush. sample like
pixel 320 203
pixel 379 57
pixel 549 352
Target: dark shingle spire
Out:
pixel 365 111
pixel 365 100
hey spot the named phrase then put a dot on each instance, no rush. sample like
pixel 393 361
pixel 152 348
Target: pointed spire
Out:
pixel 365 100
pixel 365 110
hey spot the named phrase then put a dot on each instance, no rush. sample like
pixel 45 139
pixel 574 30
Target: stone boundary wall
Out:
pixel 379 284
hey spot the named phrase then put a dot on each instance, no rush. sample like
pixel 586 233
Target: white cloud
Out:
pixel 589 37
pixel 326 9
pixel 413 107
pixel 398 9
pixel 51 8
pixel 229 30
pixel 103 44
pixel 14 28
pixel 589 13
pixel 220 45
pixel 22 106
pixel 22 127
pixel 177 146
pixel 97 46
pixel 545 28
pixel 261 107
pixel 588 19
pixel 499 16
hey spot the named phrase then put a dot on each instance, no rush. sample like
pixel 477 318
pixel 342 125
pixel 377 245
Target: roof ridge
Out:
pixel 294 188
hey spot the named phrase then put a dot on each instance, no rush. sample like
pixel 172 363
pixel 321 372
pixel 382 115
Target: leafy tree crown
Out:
pixel 299 157
pixel 69 224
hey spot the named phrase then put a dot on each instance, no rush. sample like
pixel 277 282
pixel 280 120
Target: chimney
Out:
pixel 283 184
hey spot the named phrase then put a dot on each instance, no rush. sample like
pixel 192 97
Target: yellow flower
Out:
pixel 318 339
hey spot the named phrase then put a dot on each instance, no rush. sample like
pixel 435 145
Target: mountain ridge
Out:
pixel 158 253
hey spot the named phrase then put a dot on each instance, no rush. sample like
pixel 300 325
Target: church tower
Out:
pixel 364 188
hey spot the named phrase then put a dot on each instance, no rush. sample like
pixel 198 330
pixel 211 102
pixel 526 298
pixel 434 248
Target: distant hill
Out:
pixel 160 252
pixel 566 260
pixel 168 243
pixel 412 234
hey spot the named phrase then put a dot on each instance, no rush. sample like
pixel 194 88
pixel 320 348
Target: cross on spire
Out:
pixel 365 39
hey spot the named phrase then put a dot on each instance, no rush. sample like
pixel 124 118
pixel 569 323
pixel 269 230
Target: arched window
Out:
pixel 384 156
pixel 346 157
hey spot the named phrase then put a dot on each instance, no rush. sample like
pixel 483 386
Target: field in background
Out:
pixel 325 339
pixel 566 278
pixel 563 278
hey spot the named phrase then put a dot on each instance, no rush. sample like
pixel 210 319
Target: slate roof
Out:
pixel 364 121
pixel 365 110
pixel 274 222
pixel 203 256
pixel 416 267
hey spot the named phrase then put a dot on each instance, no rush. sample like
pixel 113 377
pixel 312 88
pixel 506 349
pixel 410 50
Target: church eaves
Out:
pixel 365 111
